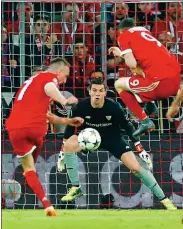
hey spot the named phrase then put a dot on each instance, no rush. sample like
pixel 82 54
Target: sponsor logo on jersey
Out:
pixel 99 124
pixel 108 117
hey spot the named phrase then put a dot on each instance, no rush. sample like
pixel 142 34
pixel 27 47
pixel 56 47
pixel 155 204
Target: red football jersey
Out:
pixel 155 60
pixel 31 103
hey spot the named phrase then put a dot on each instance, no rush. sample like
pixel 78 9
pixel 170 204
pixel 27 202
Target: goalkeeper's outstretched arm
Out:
pixel 174 109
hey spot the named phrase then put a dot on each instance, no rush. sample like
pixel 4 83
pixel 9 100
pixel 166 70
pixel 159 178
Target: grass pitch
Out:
pixel 93 219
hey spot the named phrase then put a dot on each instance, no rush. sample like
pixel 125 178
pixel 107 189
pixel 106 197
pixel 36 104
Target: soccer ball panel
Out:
pixel 89 139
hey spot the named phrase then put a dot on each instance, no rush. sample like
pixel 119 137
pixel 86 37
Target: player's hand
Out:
pixel 144 155
pixel 71 100
pixel 60 162
pixel 115 51
pixel 77 121
pixel 173 110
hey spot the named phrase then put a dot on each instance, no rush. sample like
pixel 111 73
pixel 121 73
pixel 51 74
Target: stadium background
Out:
pixel 100 173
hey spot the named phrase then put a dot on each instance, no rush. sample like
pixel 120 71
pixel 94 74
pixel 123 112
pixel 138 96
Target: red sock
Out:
pixel 35 185
pixel 131 102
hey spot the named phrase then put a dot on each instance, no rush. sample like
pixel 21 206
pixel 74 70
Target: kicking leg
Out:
pixel 34 183
pixel 147 178
pixel 132 102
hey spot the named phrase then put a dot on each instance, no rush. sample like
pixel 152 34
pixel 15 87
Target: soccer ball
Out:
pixel 89 139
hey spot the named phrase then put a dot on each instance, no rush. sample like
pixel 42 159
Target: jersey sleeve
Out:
pixel 50 78
pixel 125 124
pixel 70 130
pixel 124 42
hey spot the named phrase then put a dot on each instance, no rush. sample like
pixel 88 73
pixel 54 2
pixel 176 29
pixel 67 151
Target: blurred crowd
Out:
pixel 82 33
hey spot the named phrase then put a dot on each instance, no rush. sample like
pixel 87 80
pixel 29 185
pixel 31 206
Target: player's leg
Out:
pixel 147 178
pixel 24 149
pixel 71 162
pixel 128 89
pixel 121 150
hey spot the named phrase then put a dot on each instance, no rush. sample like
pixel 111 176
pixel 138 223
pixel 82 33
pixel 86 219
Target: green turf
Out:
pixel 93 219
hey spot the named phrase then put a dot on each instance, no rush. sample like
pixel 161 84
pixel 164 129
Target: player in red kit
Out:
pixel 156 72
pixel 27 123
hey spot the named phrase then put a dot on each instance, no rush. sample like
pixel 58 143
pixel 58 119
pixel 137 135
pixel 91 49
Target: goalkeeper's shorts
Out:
pixel 115 144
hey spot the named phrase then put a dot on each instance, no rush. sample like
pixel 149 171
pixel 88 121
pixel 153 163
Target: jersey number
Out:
pixel 22 92
pixel 148 37
pixel 134 83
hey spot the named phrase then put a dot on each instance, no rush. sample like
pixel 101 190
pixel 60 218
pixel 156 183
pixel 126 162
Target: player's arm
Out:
pixel 174 109
pixel 70 130
pixel 127 55
pixel 54 119
pixel 52 91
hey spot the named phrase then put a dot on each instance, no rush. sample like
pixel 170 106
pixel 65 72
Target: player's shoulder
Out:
pixel 111 103
pixel 46 77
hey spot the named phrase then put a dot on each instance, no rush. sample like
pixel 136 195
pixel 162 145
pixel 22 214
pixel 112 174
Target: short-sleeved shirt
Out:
pixel 31 103
pixel 155 60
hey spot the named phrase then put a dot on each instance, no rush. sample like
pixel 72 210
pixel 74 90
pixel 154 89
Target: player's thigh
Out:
pixel 122 84
pixel 25 141
pixel 72 145
pixel 116 145
pixel 173 86
pixel 37 151
pixel 130 161
pixel 144 89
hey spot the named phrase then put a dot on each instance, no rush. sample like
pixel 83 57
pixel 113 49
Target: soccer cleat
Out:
pixel 146 126
pixel 151 110
pixel 73 193
pixel 168 204
pixel 50 211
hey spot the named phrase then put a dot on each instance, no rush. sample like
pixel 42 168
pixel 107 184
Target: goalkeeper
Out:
pixel 106 116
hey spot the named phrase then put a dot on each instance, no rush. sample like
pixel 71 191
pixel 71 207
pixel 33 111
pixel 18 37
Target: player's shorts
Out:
pixel 116 145
pixel 27 140
pixel 147 90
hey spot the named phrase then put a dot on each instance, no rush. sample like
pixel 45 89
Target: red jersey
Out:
pixel 31 103
pixel 155 60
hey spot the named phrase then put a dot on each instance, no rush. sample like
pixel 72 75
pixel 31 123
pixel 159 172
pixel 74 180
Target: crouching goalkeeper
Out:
pixel 108 118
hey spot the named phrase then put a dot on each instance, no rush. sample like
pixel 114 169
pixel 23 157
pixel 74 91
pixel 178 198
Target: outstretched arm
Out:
pixel 54 119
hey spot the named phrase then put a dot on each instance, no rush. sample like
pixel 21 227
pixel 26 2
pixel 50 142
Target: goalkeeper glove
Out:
pixel 143 154
pixel 60 162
